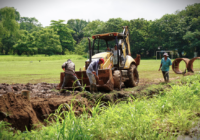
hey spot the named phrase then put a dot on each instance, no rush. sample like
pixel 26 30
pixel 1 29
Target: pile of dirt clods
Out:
pixel 20 111
pixel 35 89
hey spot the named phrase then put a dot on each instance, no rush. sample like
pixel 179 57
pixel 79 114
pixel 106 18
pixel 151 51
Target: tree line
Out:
pixel 178 32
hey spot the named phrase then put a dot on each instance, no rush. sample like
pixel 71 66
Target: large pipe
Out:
pixel 175 65
pixel 190 64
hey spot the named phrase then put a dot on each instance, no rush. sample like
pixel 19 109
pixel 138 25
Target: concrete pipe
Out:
pixel 190 64
pixel 175 65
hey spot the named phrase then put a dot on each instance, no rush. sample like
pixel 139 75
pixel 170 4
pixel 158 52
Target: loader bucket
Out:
pixel 105 83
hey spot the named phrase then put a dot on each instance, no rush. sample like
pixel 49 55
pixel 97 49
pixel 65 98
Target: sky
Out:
pixel 47 10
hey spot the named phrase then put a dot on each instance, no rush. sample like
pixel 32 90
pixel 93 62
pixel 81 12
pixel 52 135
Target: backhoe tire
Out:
pixel 133 77
pixel 117 77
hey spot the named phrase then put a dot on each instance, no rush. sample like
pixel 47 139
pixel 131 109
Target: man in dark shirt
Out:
pixel 69 68
pixel 91 71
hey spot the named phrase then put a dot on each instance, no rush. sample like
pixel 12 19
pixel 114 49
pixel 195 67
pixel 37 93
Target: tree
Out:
pixel 193 39
pixel 190 11
pixel 47 41
pixel 139 36
pixel 77 25
pixel 26 44
pixel 113 25
pixel 65 35
pixel 29 24
pixel 92 28
pixel 8 28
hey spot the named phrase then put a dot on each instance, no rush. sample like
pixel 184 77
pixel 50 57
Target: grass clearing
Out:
pixel 23 69
pixel 33 72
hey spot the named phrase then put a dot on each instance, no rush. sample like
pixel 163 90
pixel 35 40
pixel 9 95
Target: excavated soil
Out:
pixel 21 112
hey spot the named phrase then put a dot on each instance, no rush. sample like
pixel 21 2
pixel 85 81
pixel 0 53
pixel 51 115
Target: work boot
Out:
pixel 95 88
pixel 81 89
pixel 62 90
pixel 91 88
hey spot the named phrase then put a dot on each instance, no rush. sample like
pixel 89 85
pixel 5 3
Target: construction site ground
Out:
pixel 45 99
pixel 16 109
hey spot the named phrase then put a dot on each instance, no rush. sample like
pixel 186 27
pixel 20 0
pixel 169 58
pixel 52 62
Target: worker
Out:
pixel 69 68
pixel 92 72
pixel 114 50
pixel 115 55
pixel 165 64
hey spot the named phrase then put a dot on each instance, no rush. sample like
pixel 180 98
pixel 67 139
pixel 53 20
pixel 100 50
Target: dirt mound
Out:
pixel 20 112
pixel 45 99
pixel 17 110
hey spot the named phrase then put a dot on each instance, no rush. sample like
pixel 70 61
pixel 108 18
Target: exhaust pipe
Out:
pixel 90 55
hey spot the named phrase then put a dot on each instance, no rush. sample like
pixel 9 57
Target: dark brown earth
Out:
pixel 16 109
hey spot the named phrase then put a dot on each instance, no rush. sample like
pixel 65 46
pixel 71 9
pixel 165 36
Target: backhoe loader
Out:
pixel 111 75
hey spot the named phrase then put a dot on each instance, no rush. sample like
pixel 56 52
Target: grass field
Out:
pixel 34 69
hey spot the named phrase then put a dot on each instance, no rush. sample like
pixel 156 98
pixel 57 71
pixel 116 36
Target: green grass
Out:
pixel 39 57
pixel 23 69
pixel 148 69
pixel 162 117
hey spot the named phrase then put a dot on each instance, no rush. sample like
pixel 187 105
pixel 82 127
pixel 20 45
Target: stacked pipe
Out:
pixel 188 62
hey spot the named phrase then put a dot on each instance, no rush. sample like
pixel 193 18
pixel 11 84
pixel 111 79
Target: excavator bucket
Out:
pixel 137 60
pixel 105 82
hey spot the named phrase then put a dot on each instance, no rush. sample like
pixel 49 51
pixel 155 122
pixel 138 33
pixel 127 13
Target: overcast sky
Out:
pixel 47 10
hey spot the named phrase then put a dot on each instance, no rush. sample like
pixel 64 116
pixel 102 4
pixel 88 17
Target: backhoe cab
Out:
pixel 111 75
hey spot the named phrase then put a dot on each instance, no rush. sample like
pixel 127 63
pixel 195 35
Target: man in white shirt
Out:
pixel 115 55
pixel 114 50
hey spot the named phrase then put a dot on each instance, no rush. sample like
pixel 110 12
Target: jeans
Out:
pixel 72 77
pixel 166 75
pixel 91 78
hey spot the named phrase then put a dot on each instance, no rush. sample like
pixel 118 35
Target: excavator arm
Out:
pixel 126 33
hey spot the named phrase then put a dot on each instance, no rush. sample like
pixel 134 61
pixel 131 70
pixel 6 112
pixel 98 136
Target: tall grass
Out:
pixel 168 114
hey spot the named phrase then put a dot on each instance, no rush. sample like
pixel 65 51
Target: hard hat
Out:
pixel 102 60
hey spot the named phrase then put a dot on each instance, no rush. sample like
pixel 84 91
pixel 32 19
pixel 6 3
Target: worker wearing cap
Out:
pixel 165 63
pixel 69 68
pixel 92 71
